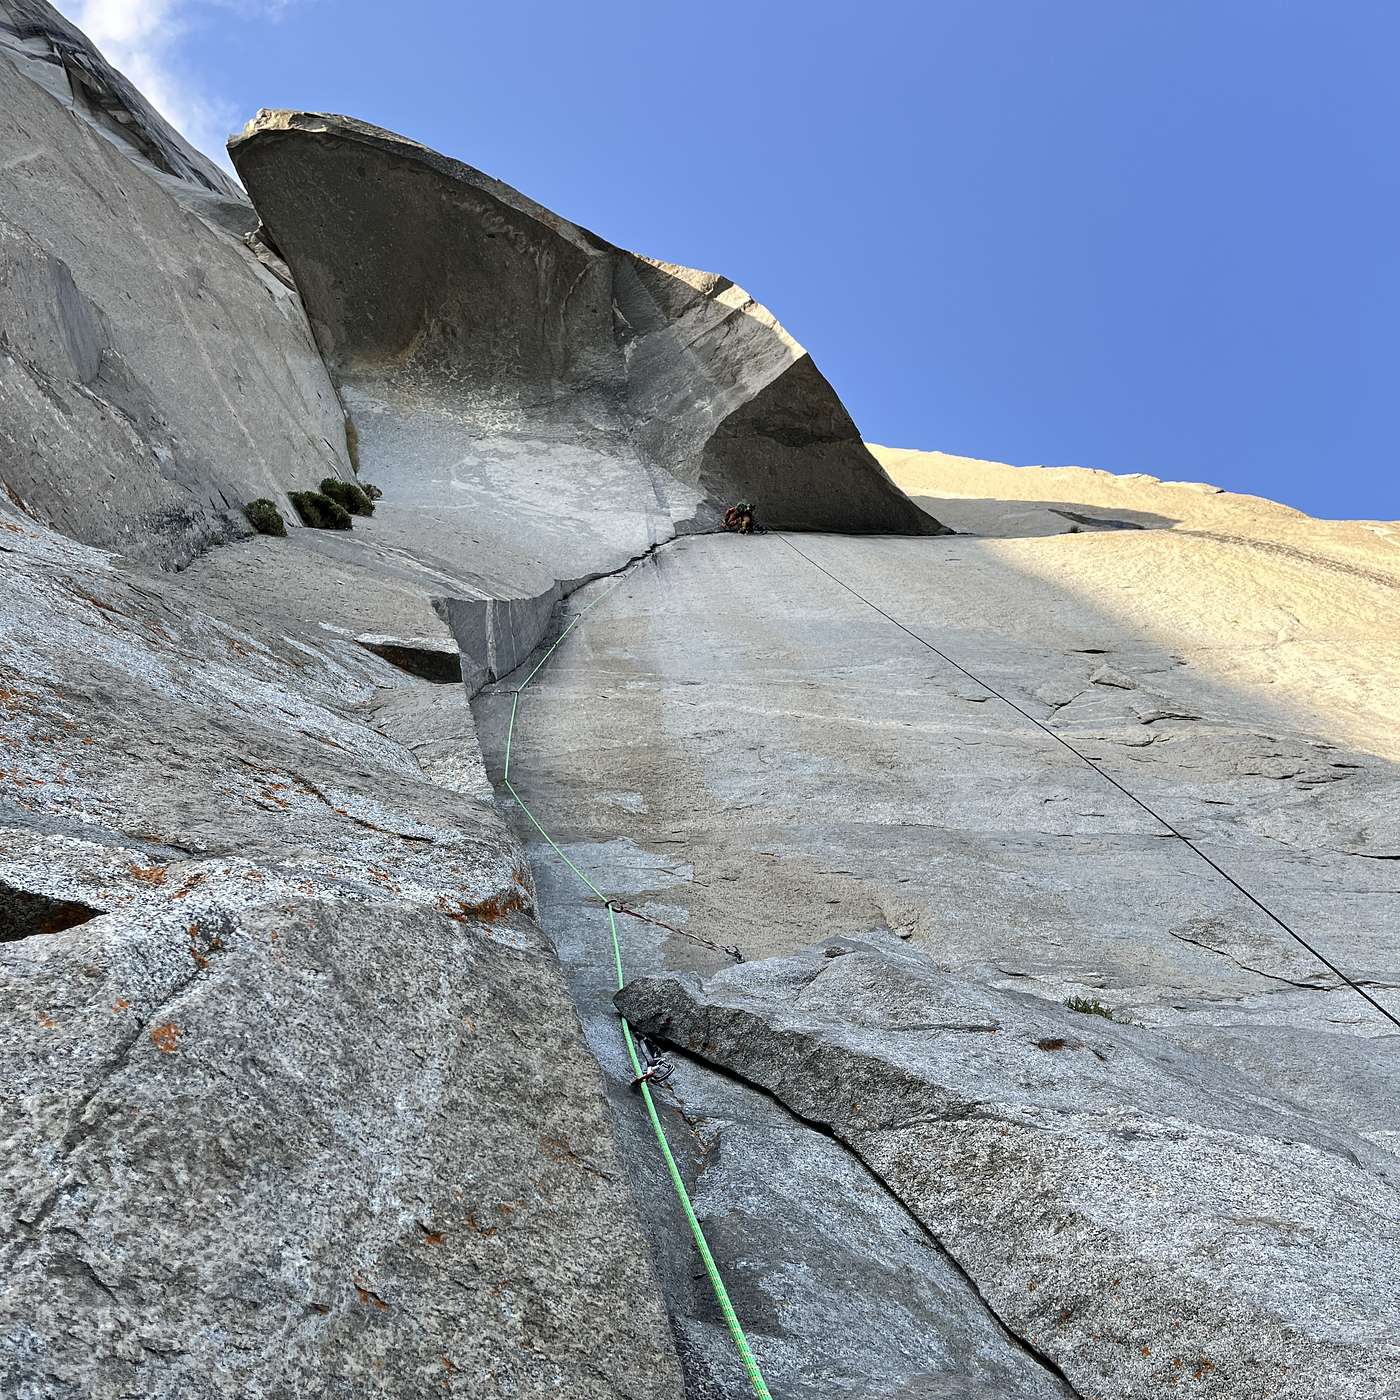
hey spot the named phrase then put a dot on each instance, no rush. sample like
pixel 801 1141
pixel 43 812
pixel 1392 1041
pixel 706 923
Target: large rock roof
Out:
pixel 456 313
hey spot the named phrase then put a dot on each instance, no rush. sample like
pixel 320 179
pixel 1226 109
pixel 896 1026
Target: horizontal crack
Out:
pixel 1277 977
pixel 1258 972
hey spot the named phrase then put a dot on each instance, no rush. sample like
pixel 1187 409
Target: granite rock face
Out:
pixel 1142 1218
pixel 154 376
pixel 58 56
pixel 770 777
pixel 310 1086
pixel 478 337
pixel 842 1292
pixel 293 1096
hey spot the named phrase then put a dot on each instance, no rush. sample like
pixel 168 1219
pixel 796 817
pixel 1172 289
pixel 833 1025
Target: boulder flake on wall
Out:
pixel 1145 1220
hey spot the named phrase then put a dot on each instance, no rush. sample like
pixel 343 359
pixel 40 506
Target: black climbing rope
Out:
pixel 1108 778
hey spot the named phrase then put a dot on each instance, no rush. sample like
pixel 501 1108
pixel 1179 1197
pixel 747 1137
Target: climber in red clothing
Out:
pixel 739 518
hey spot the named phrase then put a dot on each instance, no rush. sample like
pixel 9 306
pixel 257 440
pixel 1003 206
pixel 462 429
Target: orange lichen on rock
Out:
pixel 166 1037
pixel 367 1295
pixel 94 601
pixel 15 700
pixel 192 883
pixel 488 911
pixel 475 1225
pixel 212 944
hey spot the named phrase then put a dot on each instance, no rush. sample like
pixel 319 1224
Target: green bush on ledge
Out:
pixel 1091 1006
pixel 320 512
pixel 264 517
pixel 347 496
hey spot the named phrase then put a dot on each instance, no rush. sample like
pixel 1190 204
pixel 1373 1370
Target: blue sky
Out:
pixel 1144 235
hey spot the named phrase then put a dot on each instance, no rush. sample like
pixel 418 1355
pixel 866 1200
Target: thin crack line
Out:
pixel 1019 1342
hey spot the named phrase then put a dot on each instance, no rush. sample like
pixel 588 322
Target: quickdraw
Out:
pixel 659 1069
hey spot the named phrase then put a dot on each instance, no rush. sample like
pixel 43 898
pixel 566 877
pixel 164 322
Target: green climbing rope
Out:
pixel 731 1318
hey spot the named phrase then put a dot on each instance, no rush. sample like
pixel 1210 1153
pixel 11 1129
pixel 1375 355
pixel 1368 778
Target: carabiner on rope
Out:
pixel 659 1069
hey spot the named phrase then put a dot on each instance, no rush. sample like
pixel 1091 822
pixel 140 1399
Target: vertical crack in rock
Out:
pixel 496 636
pixel 839 1290
pixel 1013 1338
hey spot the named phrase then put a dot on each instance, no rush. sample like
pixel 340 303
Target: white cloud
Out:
pixel 141 37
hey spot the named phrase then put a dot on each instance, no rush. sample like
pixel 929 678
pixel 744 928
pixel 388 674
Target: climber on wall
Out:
pixel 739 518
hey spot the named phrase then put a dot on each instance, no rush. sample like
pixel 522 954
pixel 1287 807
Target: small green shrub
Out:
pixel 320 512
pixel 373 492
pixel 264 517
pixel 348 496
pixel 1090 1006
